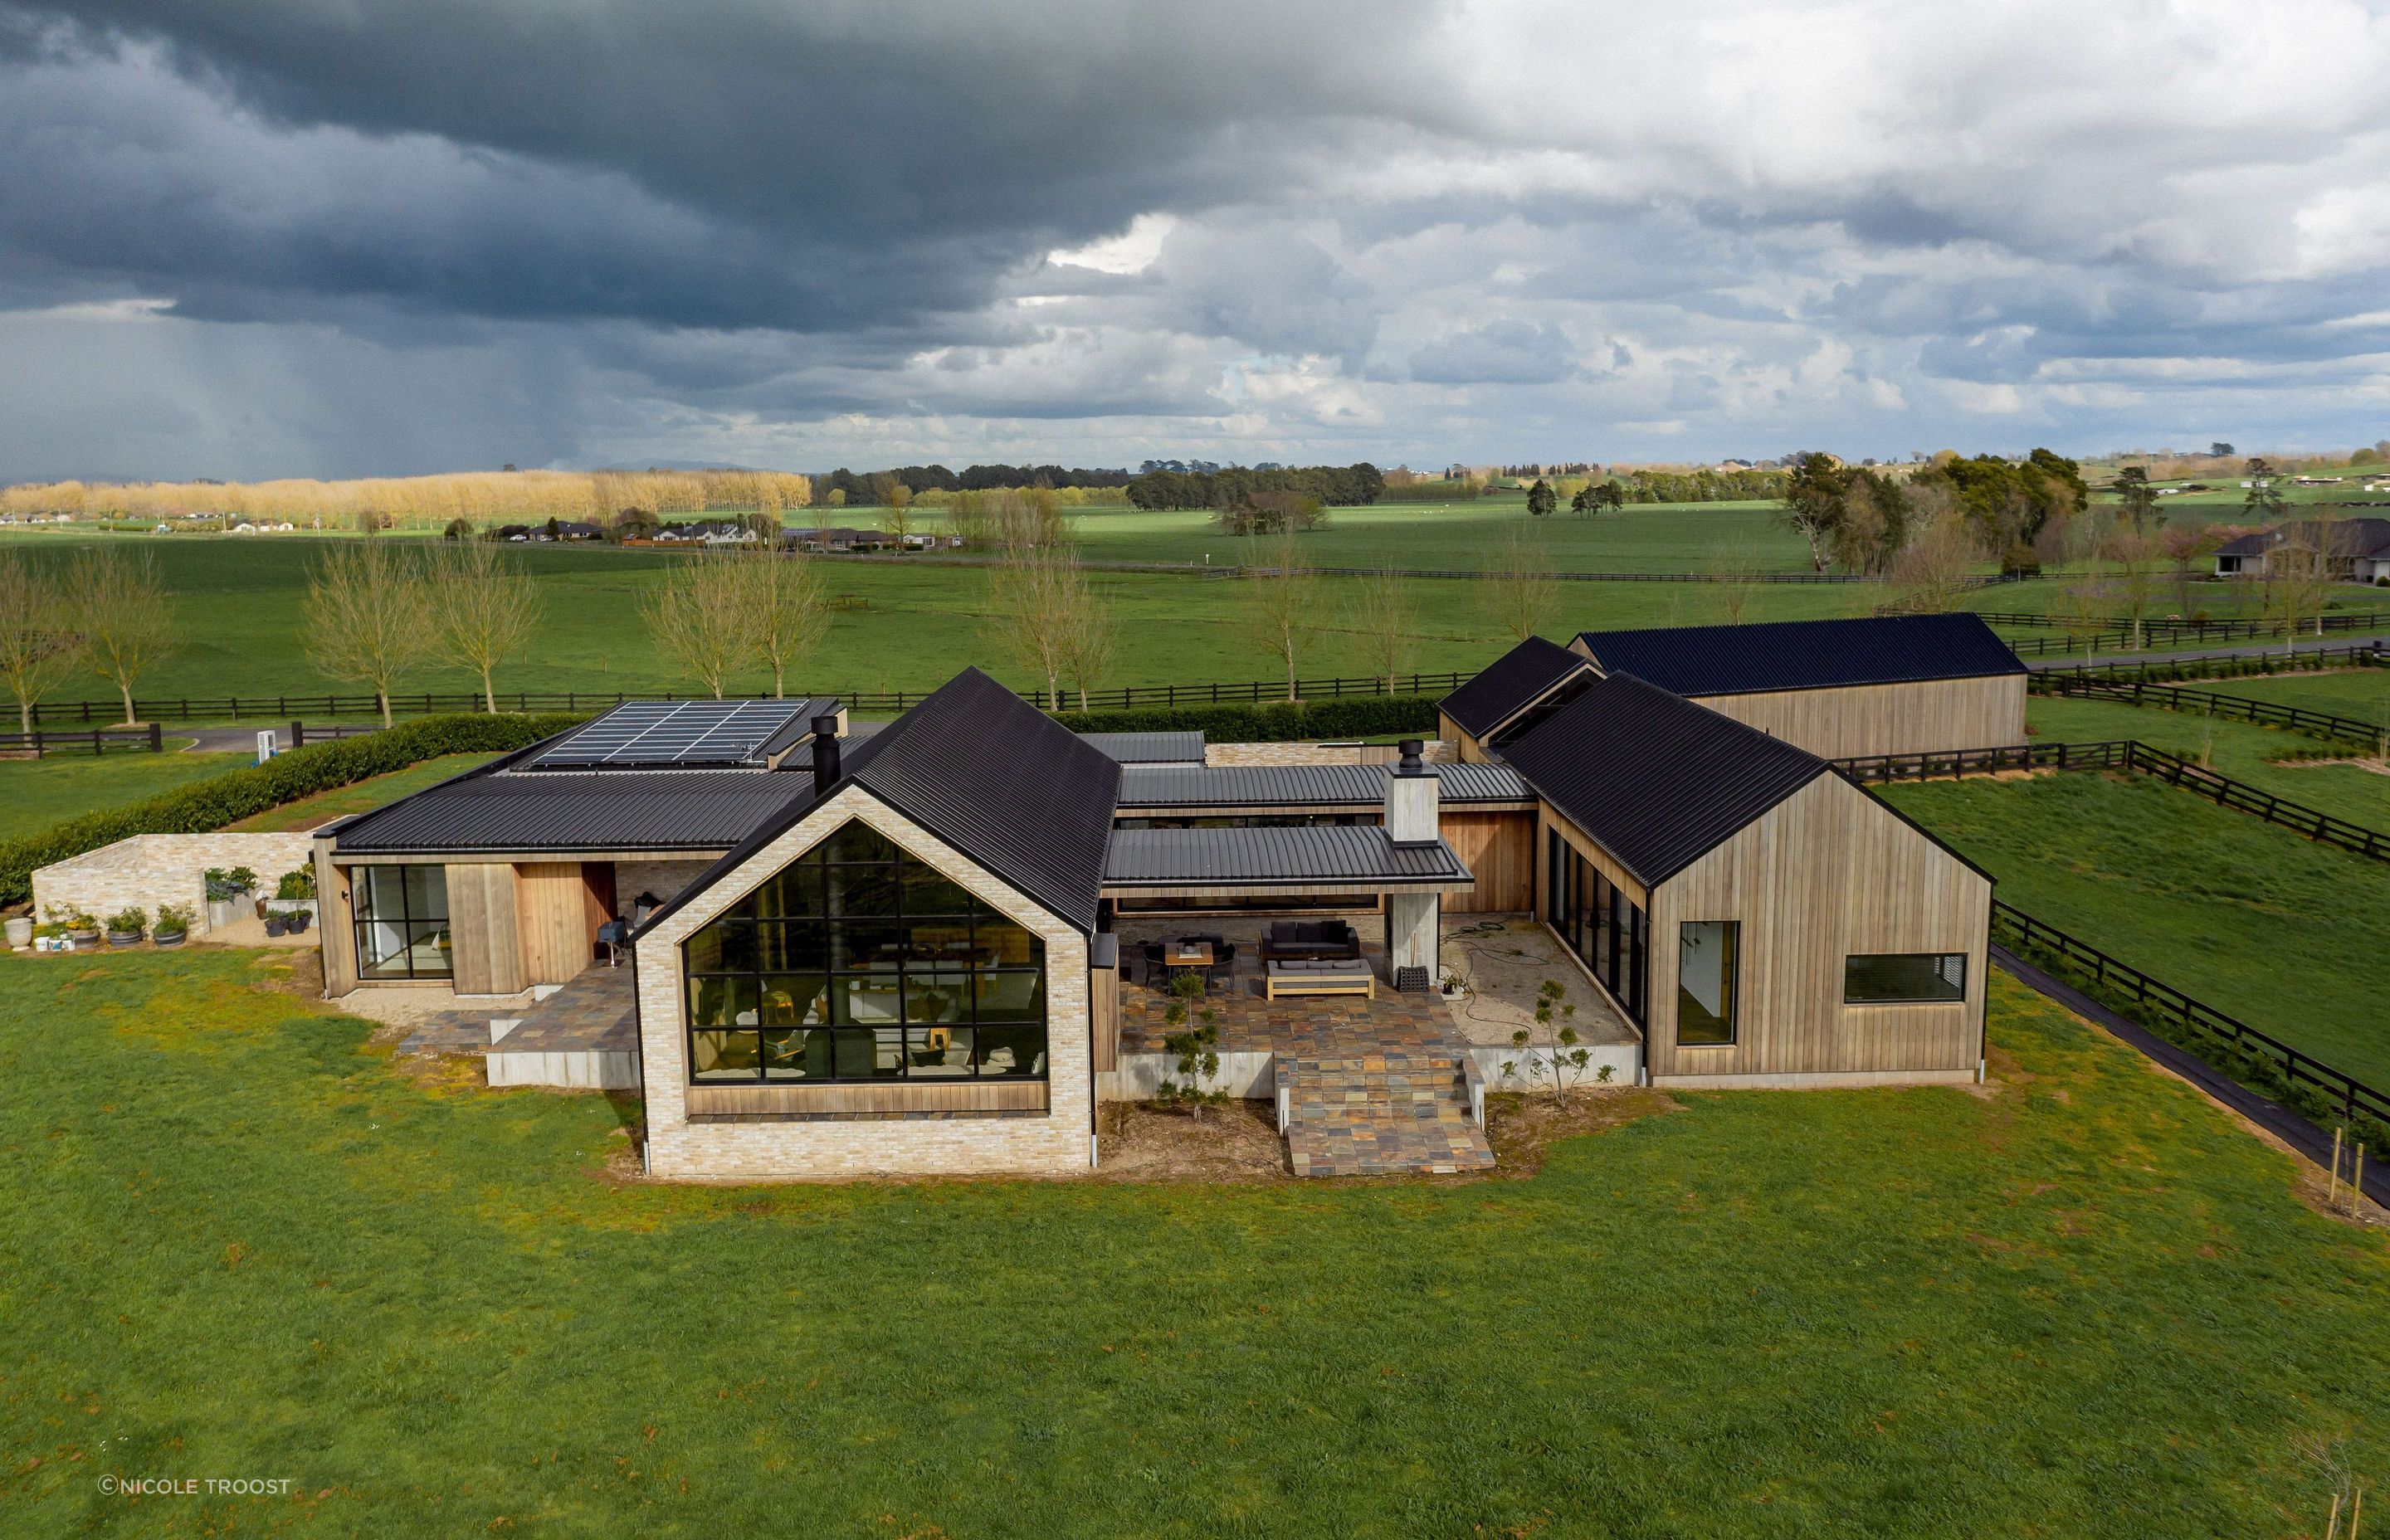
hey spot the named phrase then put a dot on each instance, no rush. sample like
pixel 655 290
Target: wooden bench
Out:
pixel 1338 979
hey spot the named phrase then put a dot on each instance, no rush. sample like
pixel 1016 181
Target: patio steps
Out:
pixel 1376 1109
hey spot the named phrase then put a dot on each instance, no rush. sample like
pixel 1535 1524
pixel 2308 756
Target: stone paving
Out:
pixel 592 1012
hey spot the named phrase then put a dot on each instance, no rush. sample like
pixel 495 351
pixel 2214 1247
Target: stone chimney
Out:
pixel 1411 799
pixel 1413 918
pixel 825 754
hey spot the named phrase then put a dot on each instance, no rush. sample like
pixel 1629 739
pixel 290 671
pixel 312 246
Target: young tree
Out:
pixel 1090 639
pixel 38 643
pixel 1522 591
pixel 125 617
pixel 2264 501
pixel 787 611
pixel 1282 614
pixel 1030 603
pixel 2139 560
pixel 486 609
pixel 1932 571
pixel 2299 577
pixel 701 616
pixel 370 616
pixel 1383 616
pixel 896 502
pixel 1813 503
pixel 2134 496
pixel 1735 579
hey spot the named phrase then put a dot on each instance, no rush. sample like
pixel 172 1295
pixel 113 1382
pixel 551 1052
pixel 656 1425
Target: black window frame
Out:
pixel 1595 919
pixel 740 931
pixel 363 917
pixel 1934 958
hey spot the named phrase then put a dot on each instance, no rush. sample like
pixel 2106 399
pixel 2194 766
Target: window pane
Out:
pixel 862 891
pixel 797 890
pixel 939 941
pixel 795 1000
pixel 1705 981
pixel 797 1054
pixel 725 947
pixel 935 996
pixel 1900 978
pixel 1011 997
pixel 867 1001
pixel 426 893
pixel 1012 1051
pixel 722 1003
pixel 859 842
pixel 382 949
pixel 859 945
pixel 926 892
pixel 869 1055
pixel 1005 944
pixel 721 1055
pixel 930 1052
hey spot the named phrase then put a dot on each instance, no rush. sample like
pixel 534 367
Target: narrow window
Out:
pixel 1705 961
pixel 1904 977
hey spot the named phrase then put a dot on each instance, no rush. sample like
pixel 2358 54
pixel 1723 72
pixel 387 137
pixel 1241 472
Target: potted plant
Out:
pixel 82 929
pixel 294 921
pixel 274 922
pixel 20 931
pixel 125 926
pixel 173 925
pixel 296 892
pixel 243 879
pixel 224 898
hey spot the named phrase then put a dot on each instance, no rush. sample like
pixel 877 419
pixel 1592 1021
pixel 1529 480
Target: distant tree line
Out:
pixel 872 486
pixel 1863 518
pixel 1336 486
pixel 1698 486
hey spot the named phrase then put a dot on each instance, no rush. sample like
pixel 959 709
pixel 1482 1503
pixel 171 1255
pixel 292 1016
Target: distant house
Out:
pixel 575 529
pixel 841 540
pixel 2360 548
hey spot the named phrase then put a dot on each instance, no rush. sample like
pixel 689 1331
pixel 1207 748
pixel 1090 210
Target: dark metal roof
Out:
pixel 1510 685
pixel 2366 537
pixel 1151 748
pixel 990 774
pixel 1354 786
pixel 565 810
pixel 1803 655
pixel 1655 780
pixel 1269 857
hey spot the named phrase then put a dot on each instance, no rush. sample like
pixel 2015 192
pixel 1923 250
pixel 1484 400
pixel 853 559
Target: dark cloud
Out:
pixel 1510 352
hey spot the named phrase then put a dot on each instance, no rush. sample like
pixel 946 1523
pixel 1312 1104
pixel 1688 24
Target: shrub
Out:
pixel 1269 721
pixel 133 922
pixel 298 883
pixel 172 919
pixel 210 804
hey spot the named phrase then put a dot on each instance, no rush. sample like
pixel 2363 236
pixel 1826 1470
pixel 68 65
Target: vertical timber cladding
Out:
pixel 483 928
pixel 1925 717
pixel 1500 849
pixel 336 929
pixel 554 907
pixel 1826 873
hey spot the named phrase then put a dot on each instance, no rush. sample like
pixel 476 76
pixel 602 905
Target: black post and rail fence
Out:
pixel 2239 708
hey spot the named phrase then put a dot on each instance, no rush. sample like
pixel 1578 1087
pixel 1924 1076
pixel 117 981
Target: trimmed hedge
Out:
pixel 210 804
pixel 1269 722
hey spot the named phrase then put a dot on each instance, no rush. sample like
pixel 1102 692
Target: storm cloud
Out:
pixel 339 237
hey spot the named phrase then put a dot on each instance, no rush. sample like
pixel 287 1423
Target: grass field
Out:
pixel 239 1241
pixel 2244 751
pixel 361 795
pixel 2282 932
pixel 37 794
pixel 2361 693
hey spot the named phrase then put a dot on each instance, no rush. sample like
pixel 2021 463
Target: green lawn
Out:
pixel 2240 749
pixel 37 794
pixel 239 1242
pixel 2363 693
pixel 362 796
pixel 2280 931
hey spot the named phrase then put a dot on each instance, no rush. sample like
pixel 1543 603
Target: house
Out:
pixel 839 540
pixel 898 949
pixel 1842 689
pixel 2360 548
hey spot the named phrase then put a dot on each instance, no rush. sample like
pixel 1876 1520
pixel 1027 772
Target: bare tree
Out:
pixel 370 616
pixel 1735 577
pixel 896 499
pixel 787 611
pixel 487 608
pixel 1382 615
pixel 38 643
pixel 126 618
pixel 2299 576
pixel 1930 573
pixel 1030 600
pixel 701 615
pixel 1283 613
pixel 2138 558
pixel 1090 639
pixel 1523 590
pixel 368 520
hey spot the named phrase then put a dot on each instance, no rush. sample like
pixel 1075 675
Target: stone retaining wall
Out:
pixel 149 871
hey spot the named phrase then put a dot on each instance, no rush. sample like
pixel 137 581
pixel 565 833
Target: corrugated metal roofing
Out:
pixel 625 810
pixel 2366 537
pixel 991 775
pixel 1799 655
pixel 1656 780
pixel 1509 684
pixel 1151 748
pixel 1355 786
pixel 1242 857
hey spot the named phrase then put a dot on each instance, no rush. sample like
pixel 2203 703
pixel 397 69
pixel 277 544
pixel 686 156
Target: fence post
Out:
pixel 298 734
pixel 157 740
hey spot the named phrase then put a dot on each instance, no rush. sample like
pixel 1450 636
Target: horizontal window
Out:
pixel 1904 977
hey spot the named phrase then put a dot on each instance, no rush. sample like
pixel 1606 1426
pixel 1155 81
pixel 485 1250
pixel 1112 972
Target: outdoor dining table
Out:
pixel 1180 953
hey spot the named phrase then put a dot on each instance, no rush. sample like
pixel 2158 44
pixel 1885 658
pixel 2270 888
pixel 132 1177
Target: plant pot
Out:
pixel 273 926
pixel 124 938
pixel 20 931
pixel 169 937
pixel 84 937
pixel 296 924
pixel 223 911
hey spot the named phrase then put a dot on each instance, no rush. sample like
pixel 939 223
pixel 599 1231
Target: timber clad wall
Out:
pixel 552 903
pixel 1500 849
pixel 1931 717
pixel 483 928
pixel 1828 873
pixel 915 1129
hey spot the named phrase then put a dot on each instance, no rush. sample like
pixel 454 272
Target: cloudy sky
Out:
pixel 247 238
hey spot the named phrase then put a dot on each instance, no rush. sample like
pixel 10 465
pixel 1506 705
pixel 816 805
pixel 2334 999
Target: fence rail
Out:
pixel 2350 1096
pixel 2354 654
pixel 40 744
pixel 2174 698
pixel 269 710
pixel 1958 764
pixel 2336 620
pixel 2242 797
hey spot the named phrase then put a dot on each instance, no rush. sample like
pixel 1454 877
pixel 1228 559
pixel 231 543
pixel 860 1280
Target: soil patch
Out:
pixel 1521 1126
pixel 1137 1142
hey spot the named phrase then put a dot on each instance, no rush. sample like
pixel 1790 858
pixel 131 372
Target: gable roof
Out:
pixel 1803 655
pixel 2366 537
pixel 1510 685
pixel 1655 780
pixel 990 774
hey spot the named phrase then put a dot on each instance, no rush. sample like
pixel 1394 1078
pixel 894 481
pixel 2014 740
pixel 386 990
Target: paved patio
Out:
pixel 594 1013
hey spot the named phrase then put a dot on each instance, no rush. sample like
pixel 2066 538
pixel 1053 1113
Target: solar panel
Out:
pixel 683 733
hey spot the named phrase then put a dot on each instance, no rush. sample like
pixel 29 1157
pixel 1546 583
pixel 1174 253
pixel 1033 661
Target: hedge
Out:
pixel 1269 722
pixel 237 794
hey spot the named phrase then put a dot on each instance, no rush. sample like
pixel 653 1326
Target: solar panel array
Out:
pixel 680 733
